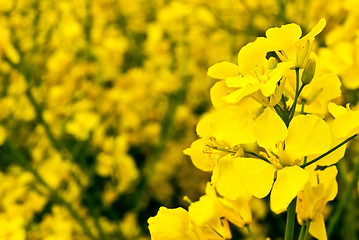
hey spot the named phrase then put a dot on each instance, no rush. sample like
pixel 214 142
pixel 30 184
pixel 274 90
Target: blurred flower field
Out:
pixel 99 99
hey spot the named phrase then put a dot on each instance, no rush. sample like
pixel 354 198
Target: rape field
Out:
pixel 179 119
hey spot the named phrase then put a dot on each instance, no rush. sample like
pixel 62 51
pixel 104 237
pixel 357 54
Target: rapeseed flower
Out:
pixel 286 148
pixel 312 199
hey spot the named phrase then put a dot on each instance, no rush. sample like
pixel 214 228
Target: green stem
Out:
pixel 281 113
pixel 284 103
pixel 297 92
pixel 257 155
pixel 250 232
pixel 301 89
pixel 302 231
pixel 222 149
pixel 303 105
pixel 306 230
pixel 328 152
pixel 289 228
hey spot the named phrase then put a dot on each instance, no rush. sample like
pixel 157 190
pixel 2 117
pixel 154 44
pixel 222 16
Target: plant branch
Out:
pixel 328 152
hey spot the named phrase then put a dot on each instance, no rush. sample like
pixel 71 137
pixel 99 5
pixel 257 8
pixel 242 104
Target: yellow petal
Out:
pixel 269 129
pixel 171 224
pixel 276 74
pixel 290 180
pixel 204 211
pixel 241 81
pixel 307 135
pixel 223 70
pixel 333 157
pixel 328 177
pixel 253 55
pixel 336 110
pixel 203 161
pixel 316 30
pixel 227 181
pixel 317 228
pixel 346 125
pixel 239 94
pixel 218 91
pixel 257 175
pixel 237 211
pixel 229 126
pixel 285 36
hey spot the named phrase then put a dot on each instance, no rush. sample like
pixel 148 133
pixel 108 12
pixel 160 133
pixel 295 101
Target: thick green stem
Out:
pixel 289 228
pixel 328 152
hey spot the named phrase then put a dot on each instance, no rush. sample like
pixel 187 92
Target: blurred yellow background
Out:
pixel 99 99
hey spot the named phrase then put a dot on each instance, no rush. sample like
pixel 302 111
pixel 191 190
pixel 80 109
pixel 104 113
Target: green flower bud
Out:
pixel 272 63
pixel 309 71
pixel 303 54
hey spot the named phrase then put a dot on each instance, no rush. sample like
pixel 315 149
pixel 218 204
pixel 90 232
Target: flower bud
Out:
pixel 309 71
pixel 303 54
pixel 272 63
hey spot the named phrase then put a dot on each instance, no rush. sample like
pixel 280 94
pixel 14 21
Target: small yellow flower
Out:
pixel 219 136
pixel 321 188
pixel 288 45
pixel 174 224
pixel 307 135
pixel 346 121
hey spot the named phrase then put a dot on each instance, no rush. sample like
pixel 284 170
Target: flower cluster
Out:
pixel 99 99
pixel 269 134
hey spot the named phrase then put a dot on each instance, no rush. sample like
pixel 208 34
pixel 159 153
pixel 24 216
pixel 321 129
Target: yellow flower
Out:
pixel 316 95
pixel 219 136
pixel 173 224
pixel 214 211
pixel 321 188
pixel 207 213
pixel 252 77
pixel 288 45
pixel 307 135
pixel 226 179
pixel 346 122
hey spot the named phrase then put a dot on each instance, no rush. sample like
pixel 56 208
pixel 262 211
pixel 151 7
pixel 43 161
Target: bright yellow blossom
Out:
pixel 173 224
pixel 219 136
pixel 346 121
pixel 321 188
pixel 212 210
pixel 306 135
pixel 286 41
pixel 252 77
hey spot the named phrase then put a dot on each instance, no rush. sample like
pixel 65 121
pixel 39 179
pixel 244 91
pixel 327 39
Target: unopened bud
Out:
pixel 309 71
pixel 272 63
pixel 312 96
pixel 303 54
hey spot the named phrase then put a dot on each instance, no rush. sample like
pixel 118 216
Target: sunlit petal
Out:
pixel 269 129
pixel 307 135
pixel 290 180
pixel 257 175
pixel 223 70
